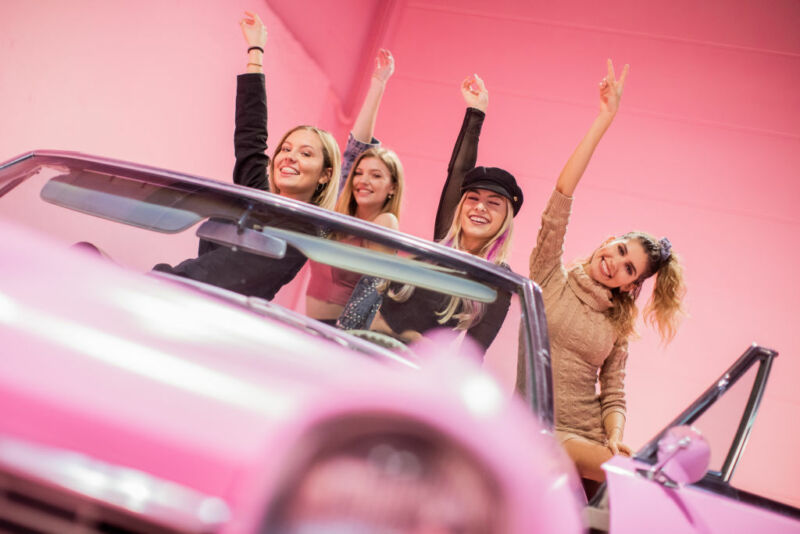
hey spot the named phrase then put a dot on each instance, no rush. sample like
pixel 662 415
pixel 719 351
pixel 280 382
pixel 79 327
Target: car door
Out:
pixel 638 497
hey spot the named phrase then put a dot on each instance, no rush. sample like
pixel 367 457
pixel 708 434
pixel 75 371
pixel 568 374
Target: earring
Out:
pixel 390 196
pixel 320 188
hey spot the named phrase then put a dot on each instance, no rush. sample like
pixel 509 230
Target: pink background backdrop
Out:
pixel 705 149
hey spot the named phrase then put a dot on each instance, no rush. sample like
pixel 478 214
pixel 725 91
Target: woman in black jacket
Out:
pixel 305 166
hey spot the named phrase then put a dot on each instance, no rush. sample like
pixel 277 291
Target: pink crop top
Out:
pixel 330 284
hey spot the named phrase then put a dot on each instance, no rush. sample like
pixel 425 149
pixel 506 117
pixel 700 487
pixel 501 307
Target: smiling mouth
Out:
pixel 604 268
pixel 289 171
pixel 478 220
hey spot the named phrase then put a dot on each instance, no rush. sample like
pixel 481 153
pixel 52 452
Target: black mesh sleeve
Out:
pixel 465 154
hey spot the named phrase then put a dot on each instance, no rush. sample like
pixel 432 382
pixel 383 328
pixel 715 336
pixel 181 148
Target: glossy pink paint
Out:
pixel 683 454
pixel 146 374
pixel 685 509
pixel 701 151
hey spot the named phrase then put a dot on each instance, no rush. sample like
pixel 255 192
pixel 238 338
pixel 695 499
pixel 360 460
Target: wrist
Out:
pixel 379 82
pixel 255 59
pixel 606 116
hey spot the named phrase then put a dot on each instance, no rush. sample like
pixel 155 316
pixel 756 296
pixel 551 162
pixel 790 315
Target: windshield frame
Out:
pixel 534 341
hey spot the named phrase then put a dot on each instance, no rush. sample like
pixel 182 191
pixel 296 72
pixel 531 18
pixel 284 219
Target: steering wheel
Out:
pixel 382 340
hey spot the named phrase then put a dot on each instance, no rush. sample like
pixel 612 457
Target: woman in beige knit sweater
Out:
pixel 591 308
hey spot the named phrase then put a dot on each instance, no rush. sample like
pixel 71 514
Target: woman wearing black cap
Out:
pixel 476 214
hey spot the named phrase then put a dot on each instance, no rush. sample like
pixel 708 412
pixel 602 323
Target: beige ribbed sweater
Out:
pixel 583 344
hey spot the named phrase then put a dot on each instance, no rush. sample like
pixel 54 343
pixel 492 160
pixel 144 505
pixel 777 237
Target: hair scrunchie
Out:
pixel 665 248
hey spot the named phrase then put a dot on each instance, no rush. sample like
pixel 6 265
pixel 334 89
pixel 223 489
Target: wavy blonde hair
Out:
pixel 664 309
pixel 496 250
pixel 325 194
pixel 347 201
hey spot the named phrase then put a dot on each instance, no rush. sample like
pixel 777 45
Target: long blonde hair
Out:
pixel 325 194
pixel 496 250
pixel 664 309
pixel 347 201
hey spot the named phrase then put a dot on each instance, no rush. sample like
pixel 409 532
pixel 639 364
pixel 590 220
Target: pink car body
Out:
pixel 681 509
pixel 140 374
pixel 136 403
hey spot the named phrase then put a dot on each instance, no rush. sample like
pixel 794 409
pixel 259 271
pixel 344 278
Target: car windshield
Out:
pixel 160 222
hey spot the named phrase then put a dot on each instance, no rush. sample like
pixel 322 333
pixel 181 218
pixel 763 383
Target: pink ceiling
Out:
pixel 340 36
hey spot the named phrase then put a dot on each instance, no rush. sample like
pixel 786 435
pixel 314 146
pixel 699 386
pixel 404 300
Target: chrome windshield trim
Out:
pixel 536 361
pixel 26 164
pixel 136 492
pixel 538 371
pixel 753 355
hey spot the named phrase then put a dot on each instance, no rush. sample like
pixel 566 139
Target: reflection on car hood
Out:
pixel 70 316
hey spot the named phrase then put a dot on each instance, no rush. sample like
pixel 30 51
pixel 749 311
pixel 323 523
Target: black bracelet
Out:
pixel 255 48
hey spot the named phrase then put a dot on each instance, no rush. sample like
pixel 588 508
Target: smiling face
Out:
pixel 372 184
pixel 298 165
pixel 619 263
pixel 483 213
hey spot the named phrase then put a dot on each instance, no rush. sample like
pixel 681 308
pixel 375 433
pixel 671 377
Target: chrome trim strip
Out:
pixel 136 492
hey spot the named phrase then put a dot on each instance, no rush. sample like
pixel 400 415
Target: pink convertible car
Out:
pixel 138 403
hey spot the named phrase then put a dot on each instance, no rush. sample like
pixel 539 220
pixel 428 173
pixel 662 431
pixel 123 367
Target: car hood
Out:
pixel 163 360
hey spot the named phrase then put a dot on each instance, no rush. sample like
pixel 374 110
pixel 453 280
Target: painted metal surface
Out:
pixel 640 505
pixel 145 374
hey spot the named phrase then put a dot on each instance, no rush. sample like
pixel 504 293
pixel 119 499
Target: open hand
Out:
pixel 611 89
pixel 475 93
pixel 384 66
pixel 617 447
pixel 254 31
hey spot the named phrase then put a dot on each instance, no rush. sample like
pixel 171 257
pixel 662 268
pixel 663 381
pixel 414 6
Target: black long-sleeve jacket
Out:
pixel 243 272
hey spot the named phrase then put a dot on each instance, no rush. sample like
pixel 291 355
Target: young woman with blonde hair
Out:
pixel 591 308
pixel 373 191
pixel 305 166
pixel 476 214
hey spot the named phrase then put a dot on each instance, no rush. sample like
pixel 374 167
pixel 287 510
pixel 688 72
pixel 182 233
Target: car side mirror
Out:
pixel 683 457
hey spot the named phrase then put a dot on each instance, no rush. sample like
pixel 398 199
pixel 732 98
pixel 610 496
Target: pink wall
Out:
pixel 704 150
pixel 150 82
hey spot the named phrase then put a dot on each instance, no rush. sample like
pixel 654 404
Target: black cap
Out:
pixel 495 180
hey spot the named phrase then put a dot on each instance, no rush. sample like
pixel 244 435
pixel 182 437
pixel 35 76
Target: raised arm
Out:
pixel 364 127
pixel 545 260
pixel 465 152
pixel 255 35
pixel 362 135
pixel 250 134
pixel 610 94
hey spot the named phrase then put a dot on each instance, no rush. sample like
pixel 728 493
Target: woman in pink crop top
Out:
pixel 373 192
